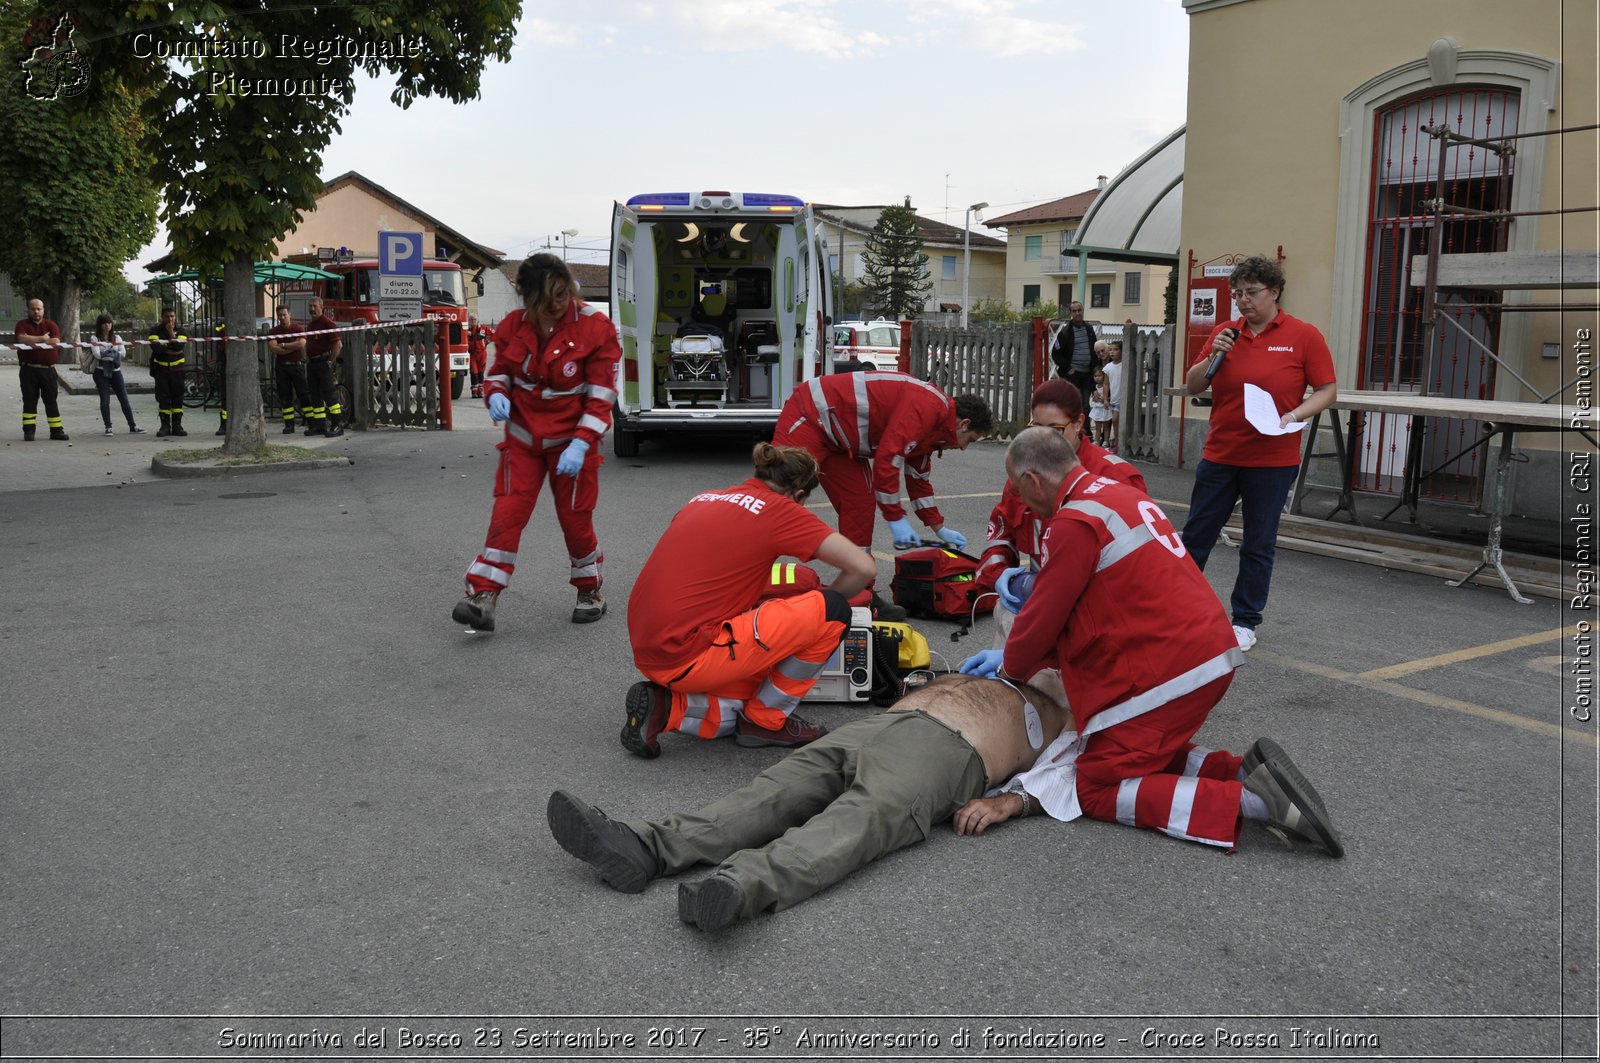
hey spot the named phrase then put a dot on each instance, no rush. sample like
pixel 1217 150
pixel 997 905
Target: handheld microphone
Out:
pixel 1216 359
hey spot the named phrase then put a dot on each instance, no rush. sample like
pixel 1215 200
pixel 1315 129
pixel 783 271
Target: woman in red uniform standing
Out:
pixel 1284 357
pixel 553 383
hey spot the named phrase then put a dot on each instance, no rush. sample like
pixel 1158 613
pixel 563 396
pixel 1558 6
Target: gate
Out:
pixel 1146 366
pixel 993 361
pixel 401 384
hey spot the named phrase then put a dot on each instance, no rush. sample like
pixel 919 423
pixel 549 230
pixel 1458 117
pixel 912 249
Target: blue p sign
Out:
pixel 400 254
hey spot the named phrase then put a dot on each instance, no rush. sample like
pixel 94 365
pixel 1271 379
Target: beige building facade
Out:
pixel 1329 160
pixel 846 228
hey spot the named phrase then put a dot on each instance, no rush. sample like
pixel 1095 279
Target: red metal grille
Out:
pixel 1410 167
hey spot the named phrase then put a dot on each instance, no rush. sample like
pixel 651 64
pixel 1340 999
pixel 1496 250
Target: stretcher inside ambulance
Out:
pixel 719 300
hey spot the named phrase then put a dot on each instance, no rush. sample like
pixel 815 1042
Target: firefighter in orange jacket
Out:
pixel 553 383
pixel 865 429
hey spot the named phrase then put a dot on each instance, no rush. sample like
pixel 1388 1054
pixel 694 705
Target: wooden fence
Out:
pixel 401 386
pixel 993 361
pixel 1146 363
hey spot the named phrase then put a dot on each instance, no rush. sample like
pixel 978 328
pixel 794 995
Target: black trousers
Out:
pixel 293 392
pixel 169 388
pixel 38 381
pixel 324 400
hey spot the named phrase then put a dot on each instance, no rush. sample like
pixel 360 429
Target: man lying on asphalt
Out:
pixel 868 788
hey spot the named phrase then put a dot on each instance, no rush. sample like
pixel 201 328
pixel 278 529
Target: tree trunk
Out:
pixel 246 426
pixel 65 312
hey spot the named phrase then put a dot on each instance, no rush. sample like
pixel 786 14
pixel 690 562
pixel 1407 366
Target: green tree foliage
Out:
pixel 1001 312
pixel 1169 307
pixel 73 182
pixel 124 302
pixel 236 132
pixel 897 276
pixel 847 295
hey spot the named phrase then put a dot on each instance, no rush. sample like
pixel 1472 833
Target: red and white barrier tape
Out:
pixel 360 326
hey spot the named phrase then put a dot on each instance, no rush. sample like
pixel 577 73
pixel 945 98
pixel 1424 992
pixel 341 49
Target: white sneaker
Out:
pixel 1246 637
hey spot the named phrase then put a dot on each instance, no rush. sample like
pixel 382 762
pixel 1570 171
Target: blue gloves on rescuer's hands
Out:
pixel 571 459
pixel 984 663
pixel 1014 586
pixel 953 537
pixel 499 408
pixel 904 534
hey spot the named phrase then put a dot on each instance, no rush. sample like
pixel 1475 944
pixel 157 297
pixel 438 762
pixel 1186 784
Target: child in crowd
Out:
pixel 1100 408
pixel 1113 373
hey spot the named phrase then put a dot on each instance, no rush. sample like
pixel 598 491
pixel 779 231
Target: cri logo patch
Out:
pixel 570 369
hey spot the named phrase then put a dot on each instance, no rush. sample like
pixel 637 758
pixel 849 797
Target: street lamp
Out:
pixel 966 251
pixel 564 234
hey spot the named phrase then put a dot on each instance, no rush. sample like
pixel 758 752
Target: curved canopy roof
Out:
pixel 265 273
pixel 1137 217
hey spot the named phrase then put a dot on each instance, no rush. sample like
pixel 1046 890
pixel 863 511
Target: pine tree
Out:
pixel 898 281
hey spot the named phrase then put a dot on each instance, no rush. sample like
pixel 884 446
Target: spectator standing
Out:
pixel 1283 356
pixel 287 342
pixel 109 351
pixel 323 347
pixel 1074 352
pixel 166 369
pixel 477 354
pixel 38 343
pixel 1100 407
pixel 1113 371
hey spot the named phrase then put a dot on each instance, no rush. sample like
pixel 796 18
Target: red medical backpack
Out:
pixel 938 582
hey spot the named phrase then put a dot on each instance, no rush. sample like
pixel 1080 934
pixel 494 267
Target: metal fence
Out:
pixel 994 361
pixel 401 385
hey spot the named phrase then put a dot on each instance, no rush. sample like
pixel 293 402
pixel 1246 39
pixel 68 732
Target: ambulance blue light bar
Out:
pixel 657 200
pixel 769 200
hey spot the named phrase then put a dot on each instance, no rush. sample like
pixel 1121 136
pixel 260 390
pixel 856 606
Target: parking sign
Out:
pixel 399 276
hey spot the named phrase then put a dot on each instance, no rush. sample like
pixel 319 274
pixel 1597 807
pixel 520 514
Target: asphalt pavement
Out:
pixel 255 780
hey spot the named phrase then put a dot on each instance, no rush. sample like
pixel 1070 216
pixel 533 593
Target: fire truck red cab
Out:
pixel 354 297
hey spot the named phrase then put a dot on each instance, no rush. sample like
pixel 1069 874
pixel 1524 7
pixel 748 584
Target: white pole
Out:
pixel 966 265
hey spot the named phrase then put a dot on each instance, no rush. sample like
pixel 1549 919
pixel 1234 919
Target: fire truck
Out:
pixel 354 297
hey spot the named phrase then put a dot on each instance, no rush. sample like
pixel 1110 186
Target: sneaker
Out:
pixel 109 431
pixel 1246 637
pixel 1257 755
pixel 796 731
pixel 476 610
pixel 649 706
pixel 590 607
pixel 135 430
pixel 712 903
pixel 1292 802
pixel 624 862
pixel 882 610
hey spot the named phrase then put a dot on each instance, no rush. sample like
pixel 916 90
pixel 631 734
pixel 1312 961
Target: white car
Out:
pixel 871 344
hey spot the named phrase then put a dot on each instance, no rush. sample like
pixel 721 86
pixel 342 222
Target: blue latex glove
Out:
pixel 1014 586
pixel 571 459
pixel 499 408
pixel 985 663
pixel 904 534
pixel 953 537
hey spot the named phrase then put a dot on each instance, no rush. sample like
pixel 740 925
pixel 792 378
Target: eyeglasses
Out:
pixel 1248 293
pixel 1061 428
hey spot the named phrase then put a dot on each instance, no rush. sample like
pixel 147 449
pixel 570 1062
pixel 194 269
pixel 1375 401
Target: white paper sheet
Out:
pixel 1263 415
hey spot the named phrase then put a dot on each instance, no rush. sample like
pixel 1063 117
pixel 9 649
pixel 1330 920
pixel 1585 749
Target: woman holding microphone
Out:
pixel 1283 356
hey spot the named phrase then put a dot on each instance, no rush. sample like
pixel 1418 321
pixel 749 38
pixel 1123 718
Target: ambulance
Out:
pixel 719 300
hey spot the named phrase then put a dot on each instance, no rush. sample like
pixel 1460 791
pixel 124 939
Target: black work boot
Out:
pixel 166 426
pixel 288 426
pixel 177 425
pixel 27 433
pixel 59 434
pixel 620 855
pixel 222 428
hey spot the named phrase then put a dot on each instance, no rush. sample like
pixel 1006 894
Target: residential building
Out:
pixel 847 228
pixel 1041 269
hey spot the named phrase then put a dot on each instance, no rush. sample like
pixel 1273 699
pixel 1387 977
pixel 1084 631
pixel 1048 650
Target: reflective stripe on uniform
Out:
pixel 519 433
pixel 923 503
pixel 1171 690
pixel 1127 801
pixel 593 423
pixel 489 572
pixel 585 566
pixel 503 557
pixel 604 394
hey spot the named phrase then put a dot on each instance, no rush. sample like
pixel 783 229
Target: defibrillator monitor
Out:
pixel 847 677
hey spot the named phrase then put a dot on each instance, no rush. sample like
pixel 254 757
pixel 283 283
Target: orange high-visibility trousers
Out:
pixel 762 665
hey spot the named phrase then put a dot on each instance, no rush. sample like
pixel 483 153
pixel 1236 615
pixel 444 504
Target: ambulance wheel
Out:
pixel 457 382
pixel 625 442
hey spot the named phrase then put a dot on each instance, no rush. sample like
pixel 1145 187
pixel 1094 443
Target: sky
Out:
pixel 951 102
